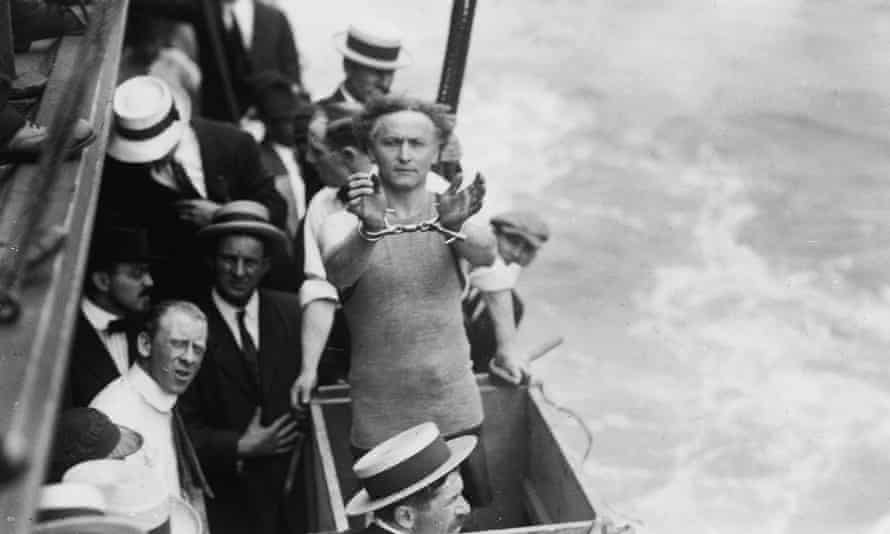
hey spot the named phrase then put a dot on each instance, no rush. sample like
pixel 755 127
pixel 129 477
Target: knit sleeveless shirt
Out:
pixel 410 355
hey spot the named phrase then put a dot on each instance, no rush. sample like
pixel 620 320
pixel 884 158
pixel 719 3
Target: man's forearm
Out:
pixel 317 320
pixel 500 308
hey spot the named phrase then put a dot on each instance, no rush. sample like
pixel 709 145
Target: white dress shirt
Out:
pixel 187 154
pixel 243 13
pixel 135 400
pixel 251 317
pixel 115 343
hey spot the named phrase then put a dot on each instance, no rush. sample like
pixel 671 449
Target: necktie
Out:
pixel 248 347
pixel 182 180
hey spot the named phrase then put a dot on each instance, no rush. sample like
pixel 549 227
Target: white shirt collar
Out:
pixel 149 390
pixel 251 309
pixel 243 11
pixel 98 317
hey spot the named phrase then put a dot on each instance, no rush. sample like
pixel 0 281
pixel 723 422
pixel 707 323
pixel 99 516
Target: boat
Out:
pixel 536 489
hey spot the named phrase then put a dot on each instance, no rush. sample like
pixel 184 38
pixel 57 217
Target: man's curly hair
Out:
pixel 365 123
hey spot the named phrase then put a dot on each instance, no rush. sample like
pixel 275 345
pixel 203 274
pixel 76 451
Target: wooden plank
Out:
pixel 330 512
pixel 34 351
pixel 575 527
pixel 550 473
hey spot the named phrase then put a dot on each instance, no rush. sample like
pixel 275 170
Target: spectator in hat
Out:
pixel 171 349
pixel 83 434
pixel 411 483
pixel 238 409
pixel 117 292
pixel 492 308
pixel 169 174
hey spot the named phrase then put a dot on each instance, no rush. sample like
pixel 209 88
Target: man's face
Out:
pixel 405 145
pixel 515 249
pixel 239 265
pixel 446 511
pixel 129 287
pixel 176 351
pixel 365 83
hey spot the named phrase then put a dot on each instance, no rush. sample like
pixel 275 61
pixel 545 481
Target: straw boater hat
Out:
pixel 147 123
pixel 136 494
pixel 524 224
pixel 404 465
pixel 244 217
pixel 374 44
pixel 88 434
pixel 73 508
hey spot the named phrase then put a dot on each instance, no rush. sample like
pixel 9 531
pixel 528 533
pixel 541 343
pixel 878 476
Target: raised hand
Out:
pixel 365 199
pixel 456 206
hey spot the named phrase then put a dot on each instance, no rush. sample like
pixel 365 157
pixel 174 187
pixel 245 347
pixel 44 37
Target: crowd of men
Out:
pixel 251 244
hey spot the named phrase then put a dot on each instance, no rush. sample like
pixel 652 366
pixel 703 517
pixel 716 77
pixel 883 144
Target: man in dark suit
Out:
pixel 117 291
pixel 170 175
pixel 238 408
pixel 236 38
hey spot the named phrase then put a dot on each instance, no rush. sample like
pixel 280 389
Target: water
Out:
pixel 717 176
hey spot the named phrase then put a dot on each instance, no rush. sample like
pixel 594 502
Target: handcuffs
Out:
pixel 429 225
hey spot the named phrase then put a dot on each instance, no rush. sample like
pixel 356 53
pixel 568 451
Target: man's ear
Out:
pixel 102 281
pixel 143 344
pixel 405 516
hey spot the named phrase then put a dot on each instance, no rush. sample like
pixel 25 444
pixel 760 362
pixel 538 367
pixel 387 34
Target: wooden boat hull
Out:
pixel 535 487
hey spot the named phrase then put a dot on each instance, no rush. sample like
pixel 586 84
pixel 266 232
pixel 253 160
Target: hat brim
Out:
pixel 533 239
pixel 460 447
pixel 88 525
pixel 147 150
pixel 265 231
pixel 403 60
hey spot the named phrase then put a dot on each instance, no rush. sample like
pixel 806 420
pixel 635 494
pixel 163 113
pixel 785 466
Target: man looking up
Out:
pixel 402 302
pixel 171 349
pixel 117 290
pixel 238 409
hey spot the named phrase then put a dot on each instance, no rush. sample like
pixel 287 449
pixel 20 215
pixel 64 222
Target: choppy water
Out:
pixel 717 175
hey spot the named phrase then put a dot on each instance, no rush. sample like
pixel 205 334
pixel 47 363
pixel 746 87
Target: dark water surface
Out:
pixel 717 175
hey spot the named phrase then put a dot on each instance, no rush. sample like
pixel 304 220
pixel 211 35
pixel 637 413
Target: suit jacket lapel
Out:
pixel 214 181
pixel 226 352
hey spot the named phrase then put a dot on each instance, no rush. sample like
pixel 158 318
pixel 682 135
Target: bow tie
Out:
pixel 118 326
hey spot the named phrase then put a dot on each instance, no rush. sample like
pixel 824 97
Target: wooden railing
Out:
pixel 40 302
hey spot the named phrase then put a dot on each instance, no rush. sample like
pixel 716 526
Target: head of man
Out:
pixel 365 82
pixel 340 154
pixel 277 106
pixel 403 136
pixel 119 272
pixel 439 508
pixel 520 234
pixel 172 346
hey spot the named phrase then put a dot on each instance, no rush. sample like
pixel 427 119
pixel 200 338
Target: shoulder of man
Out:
pixel 219 130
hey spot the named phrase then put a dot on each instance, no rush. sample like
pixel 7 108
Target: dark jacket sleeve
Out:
pixel 216 446
pixel 288 57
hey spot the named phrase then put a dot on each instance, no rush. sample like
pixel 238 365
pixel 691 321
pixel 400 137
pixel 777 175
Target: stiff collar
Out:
pixel 347 95
pixel 251 309
pixel 149 390
pixel 97 316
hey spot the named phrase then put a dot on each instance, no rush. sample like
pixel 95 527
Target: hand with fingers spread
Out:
pixel 277 438
pixel 455 206
pixel 365 199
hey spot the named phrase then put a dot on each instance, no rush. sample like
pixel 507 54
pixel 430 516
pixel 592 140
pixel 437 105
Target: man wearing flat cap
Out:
pixel 83 434
pixel 238 409
pixel 412 485
pixel 492 308
pixel 169 174
pixel 117 292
